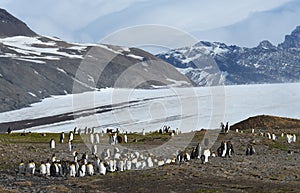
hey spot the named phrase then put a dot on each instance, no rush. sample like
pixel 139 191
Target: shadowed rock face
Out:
pixel 11 26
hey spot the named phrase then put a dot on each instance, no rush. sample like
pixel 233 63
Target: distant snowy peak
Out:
pixel 266 63
pixel 189 54
pixel 266 45
pixel 292 40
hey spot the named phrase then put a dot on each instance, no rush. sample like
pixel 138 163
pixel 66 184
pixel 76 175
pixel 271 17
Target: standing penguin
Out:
pixel 105 154
pixel 223 148
pixel 128 165
pixel 193 153
pixel 97 138
pixel 250 150
pixel 31 167
pixel 120 165
pixel 70 146
pixel 125 138
pixel 294 138
pixel 75 130
pixel 65 168
pixel 177 131
pixel 111 166
pixel 71 136
pixel 89 169
pixel 92 138
pixel 53 158
pixel 227 127
pixel 84 158
pixel 52 144
pixel 72 169
pixel 143 132
pixel 43 170
pixel 102 168
pixel 149 162
pixel 94 149
pixel 48 167
pixel 222 126
pixel 198 151
pixel 230 150
pixel 205 156
pixel 22 168
pixel 62 137
pixel 75 156
pixel 274 137
pixel 82 169
pixel 115 139
pixel 53 169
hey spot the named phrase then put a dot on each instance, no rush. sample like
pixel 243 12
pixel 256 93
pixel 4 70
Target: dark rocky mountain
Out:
pixel 11 26
pixel 216 63
pixel 34 67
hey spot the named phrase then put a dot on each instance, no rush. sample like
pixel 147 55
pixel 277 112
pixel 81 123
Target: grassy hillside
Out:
pixel 266 122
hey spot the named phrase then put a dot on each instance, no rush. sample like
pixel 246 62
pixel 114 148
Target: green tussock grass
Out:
pixel 149 137
pixel 206 191
pixel 278 145
pixel 34 138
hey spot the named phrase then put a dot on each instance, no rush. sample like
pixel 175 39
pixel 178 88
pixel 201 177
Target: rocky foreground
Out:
pixel 274 168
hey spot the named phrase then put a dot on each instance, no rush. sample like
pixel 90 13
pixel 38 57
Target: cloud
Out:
pixel 189 15
pixel 81 20
pixel 270 25
pixel 62 18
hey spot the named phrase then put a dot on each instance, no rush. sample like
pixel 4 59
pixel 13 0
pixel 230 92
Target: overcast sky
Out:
pixel 241 22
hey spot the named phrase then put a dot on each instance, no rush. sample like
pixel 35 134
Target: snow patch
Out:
pixel 177 83
pixel 109 49
pixel 135 57
pixel 90 78
pixel 256 65
pixel 32 94
pixel 26 46
pixel 61 70
pixel 33 61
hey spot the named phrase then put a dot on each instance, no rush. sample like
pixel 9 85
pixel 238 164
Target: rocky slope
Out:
pixel 11 26
pixel 33 67
pixel 215 63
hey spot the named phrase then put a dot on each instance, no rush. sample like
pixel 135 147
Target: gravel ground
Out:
pixel 272 169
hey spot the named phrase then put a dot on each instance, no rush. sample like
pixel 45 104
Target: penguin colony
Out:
pixel 113 160
pixel 107 161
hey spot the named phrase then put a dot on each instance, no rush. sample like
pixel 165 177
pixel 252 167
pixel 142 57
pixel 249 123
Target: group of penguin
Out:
pixel 290 138
pixel 109 161
pixel 112 159
pixel 196 153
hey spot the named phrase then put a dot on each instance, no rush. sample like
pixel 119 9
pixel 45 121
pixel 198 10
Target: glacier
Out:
pixel 188 109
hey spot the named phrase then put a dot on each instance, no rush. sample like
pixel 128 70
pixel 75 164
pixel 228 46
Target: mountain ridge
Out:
pixel 265 63
pixel 11 26
pixel 34 67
